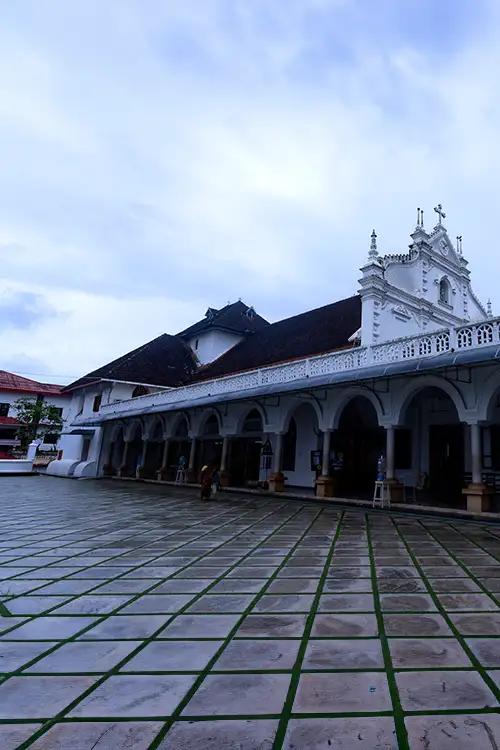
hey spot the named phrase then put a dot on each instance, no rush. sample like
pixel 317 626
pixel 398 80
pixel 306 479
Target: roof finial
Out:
pixel 489 309
pixel 420 218
pixel 459 244
pixel 439 210
pixel 373 246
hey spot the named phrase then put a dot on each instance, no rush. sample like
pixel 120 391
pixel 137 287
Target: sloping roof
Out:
pixel 9 381
pixel 233 317
pixel 164 361
pixel 313 332
pixel 8 421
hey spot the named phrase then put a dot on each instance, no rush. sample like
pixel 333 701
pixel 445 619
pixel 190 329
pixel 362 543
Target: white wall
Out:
pixel 211 344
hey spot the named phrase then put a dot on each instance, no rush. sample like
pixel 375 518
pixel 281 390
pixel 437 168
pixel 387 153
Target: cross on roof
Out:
pixel 439 210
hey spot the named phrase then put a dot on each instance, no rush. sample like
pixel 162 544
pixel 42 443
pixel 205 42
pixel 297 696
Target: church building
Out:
pixel 405 369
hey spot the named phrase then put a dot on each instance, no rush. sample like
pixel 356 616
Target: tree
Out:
pixel 33 413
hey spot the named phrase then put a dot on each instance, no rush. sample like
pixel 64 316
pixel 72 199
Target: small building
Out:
pixel 14 387
pixel 406 368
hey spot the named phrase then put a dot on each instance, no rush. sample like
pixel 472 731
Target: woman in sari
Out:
pixel 206 482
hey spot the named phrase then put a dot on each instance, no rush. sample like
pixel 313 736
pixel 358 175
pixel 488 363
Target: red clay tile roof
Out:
pixel 8 420
pixel 9 381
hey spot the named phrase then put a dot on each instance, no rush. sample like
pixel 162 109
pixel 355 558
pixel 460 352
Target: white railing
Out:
pixel 412 347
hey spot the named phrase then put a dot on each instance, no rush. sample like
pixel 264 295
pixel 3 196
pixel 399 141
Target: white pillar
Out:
pixel 142 460
pixel 389 457
pixel 192 454
pixel 223 459
pixel 278 452
pixel 475 446
pixel 124 458
pixel 325 464
pixel 165 455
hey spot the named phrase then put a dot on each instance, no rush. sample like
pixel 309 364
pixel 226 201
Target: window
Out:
pixel 444 291
pixel 139 390
pixel 290 447
pixel 253 422
pixel 4 410
pixel 196 343
pixel 97 402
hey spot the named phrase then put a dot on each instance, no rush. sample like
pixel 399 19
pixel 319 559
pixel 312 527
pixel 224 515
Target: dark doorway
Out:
pixel 245 460
pixel 358 443
pixel 446 463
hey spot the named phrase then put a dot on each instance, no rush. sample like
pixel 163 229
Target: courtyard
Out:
pixel 134 616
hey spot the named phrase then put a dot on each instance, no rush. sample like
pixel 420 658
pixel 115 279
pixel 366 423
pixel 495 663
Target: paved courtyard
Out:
pixel 136 617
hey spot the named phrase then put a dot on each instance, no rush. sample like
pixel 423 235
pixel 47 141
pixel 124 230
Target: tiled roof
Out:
pixel 9 381
pixel 8 421
pixel 165 361
pixel 313 332
pixel 236 317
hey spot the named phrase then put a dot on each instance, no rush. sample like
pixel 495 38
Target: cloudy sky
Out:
pixel 160 157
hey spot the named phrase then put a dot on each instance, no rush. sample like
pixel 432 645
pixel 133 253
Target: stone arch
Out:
pixel 301 436
pixel 295 405
pixel 402 398
pixel 487 396
pixel 348 395
pixel 132 430
pixel 210 414
pixel 177 421
pixel 244 415
pixel 155 429
pixel 444 290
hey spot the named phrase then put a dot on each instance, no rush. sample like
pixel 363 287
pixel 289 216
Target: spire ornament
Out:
pixel 439 210
pixel 373 246
pixel 489 309
pixel 420 218
pixel 459 244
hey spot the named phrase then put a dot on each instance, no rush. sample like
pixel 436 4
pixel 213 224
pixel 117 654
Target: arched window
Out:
pixel 140 390
pixel 253 421
pixel 444 291
pixel 211 426
pixel 181 431
pixel 290 446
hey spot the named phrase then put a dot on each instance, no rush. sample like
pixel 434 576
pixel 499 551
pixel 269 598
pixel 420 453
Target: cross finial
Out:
pixel 459 244
pixel 373 246
pixel 439 210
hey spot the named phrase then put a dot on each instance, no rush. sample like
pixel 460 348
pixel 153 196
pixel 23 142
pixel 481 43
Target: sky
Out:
pixel 158 158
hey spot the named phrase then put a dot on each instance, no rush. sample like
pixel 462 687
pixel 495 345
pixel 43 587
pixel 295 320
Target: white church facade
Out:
pixel 405 368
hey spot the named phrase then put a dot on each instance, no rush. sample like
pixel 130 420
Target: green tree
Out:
pixel 35 415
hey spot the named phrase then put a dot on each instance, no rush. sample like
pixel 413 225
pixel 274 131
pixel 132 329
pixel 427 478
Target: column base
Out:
pixel 161 474
pixel 276 482
pixel 397 490
pixel 478 497
pixel 225 478
pixel 140 472
pixel 324 486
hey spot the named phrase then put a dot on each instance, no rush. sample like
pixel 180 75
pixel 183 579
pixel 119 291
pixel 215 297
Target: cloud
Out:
pixel 160 159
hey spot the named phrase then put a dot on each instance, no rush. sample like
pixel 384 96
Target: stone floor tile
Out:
pixel 99 735
pixel 243 655
pixel 341 692
pixel 416 625
pixel 420 653
pixel 134 696
pixel 13 735
pixel 346 603
pixel 68 588
pixel 355 653
pixel 173 656
pixel 84 656
pixel 344 625
pixel 454 732
pixel 126 626
pixel 353 585
pixel 33 697
pixel 486 650
pixel 180 586
pixel 239 586
pixel 401 586
pixel 157 604
pixel 483 623
pixel 492 584
pixel 219 603
pixel 13 654
pixel 495 676
pixel 472 602
pixel 235 694
pixel 454 585
pixel 284 603
pixel 33 605
pixel 7 623
pixel 200 626
pixel 293 586
pixel 225 734
pixel 430 691
pixel 49 628
pixel 373 733
pixel 407 603
pixel 272 626
pixel 89 604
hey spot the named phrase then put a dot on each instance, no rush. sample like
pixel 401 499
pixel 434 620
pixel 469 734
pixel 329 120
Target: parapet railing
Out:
pixel 411 347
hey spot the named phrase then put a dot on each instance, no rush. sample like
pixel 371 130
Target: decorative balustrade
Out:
pixel 414 347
